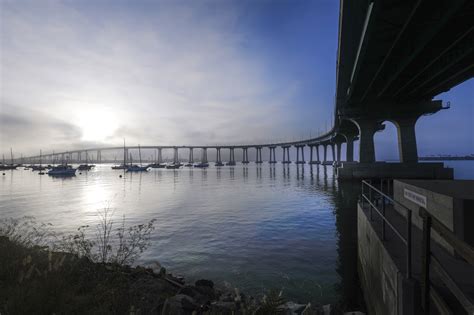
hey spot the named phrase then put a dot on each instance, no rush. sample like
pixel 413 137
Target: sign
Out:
pixel 415 197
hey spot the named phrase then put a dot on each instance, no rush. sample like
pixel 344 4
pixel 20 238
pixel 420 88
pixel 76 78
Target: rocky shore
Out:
pixel 38 281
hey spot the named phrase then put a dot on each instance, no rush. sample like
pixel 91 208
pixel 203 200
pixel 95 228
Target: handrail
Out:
pixel 428 258
pixel 385 219
pixel 406 241
pixel 461 248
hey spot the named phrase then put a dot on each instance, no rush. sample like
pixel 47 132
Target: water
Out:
pixel 250 227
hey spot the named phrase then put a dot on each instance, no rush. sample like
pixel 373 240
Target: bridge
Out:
pixel 393 58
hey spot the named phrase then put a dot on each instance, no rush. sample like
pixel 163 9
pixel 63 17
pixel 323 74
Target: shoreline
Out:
pixel 38 280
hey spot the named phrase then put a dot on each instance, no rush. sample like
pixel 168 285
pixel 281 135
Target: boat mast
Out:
pixel 40 157
pixel 124 154
pixel 140 155
pixel 11 156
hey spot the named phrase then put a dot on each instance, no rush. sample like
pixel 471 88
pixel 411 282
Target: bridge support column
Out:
pixel 367 129
pixel 286 155
pixel 231 157
pixel 99 156
pixel 333 151
pixel 258 159
pixel 204 155
pixel 338 152
pixel 245 156
pixel 298 149
pixel 272 159
pixel 175 156
pixel 160 156
pixel 218 157
pixel 191 157
pixel 325 153
pixel 350 149
pixel 407 140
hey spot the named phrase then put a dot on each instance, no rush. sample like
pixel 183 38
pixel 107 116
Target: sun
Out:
pixel 97 125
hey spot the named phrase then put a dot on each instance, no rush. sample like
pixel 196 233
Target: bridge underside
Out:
pixel 394 57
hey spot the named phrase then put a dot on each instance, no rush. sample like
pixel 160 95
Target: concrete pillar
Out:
pixel 160 156
pixel 333 151
pixel 350 149
pixel 191 157
pixel 407 140
pixel 218 155
pixel 245 156
pixel 317 154
pixel 175 156
pixel 338 151
pixel 325 147
pixel 258 159
pixel 204 155
pixel 367 129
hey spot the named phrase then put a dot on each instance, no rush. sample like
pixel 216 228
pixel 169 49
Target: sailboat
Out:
pixel 10 166
pixel 62 170
pixel 136 168
pixel 124 165
pixel 39 167
pixel 85 167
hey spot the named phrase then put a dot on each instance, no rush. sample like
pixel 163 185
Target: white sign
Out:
pixel 415 197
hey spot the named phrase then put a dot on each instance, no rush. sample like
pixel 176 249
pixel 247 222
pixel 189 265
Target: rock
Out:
pixel 179 304
pixel 222 307
pixel 291 308
pixel 204 283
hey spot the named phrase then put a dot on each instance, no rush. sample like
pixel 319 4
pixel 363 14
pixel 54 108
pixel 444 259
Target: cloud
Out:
pixel 173 73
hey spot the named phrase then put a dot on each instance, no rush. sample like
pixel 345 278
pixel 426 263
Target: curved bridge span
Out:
pixel 328 140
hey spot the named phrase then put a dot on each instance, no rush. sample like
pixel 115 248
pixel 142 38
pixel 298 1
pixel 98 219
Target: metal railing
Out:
pixel 373 196
pixel 428 258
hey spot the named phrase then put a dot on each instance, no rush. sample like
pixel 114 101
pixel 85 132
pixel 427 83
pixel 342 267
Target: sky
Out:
pixel 76 74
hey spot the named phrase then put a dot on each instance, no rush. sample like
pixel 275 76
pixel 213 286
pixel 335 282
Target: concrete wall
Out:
pixel 446 204
pixel 379 276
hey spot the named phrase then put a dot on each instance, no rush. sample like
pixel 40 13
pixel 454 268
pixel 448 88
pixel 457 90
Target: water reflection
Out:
pixel 256 227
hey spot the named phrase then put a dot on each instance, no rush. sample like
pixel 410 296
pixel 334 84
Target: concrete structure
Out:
pixel 396 247
pixel 386 289
pixel 450 201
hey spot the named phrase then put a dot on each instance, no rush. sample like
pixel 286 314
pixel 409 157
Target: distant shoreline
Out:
pixel 447 158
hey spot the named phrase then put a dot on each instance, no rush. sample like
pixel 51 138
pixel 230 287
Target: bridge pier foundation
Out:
pixel 231 157
pixel 191 156
pixel 272 159
pixel 407 140
pixel 218 157
pixel 367 129
pixel 286 155
pixel 258 159
pixel 245 156
pixel 298 149
pixel 175 156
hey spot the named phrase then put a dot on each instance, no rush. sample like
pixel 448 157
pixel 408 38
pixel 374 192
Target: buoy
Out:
pixel 3 173
pixel 119 175
pixel 80 173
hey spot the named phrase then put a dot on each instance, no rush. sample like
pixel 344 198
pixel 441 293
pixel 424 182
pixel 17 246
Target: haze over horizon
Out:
pixel 89 73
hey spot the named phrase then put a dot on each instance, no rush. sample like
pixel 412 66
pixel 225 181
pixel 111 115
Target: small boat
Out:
pixel 157 165
pixel 188 164
pixel 230 163
pixel 173 166
pixel 136 168
pixel 62 170
pixel 219 164
pixel 202 165
pixel 120 167
pixel 85 167
pixel 38 168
